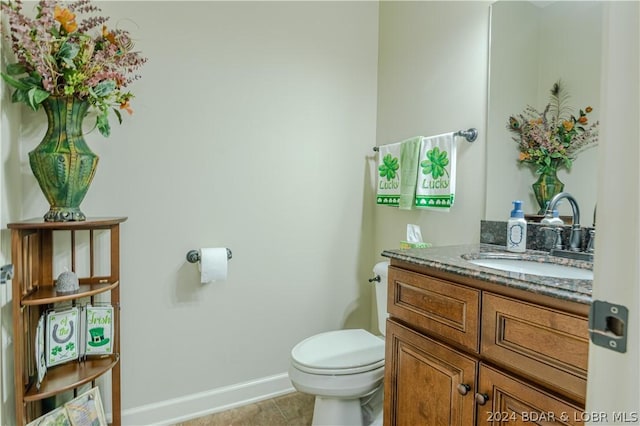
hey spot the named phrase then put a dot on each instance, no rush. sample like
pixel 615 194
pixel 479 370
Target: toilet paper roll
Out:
pixel 213 264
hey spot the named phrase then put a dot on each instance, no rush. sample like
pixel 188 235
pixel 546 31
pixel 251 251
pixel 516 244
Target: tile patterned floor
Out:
pixel 293 409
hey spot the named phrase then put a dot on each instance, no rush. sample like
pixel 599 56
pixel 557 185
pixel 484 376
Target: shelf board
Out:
pixel 47 294
pixel 90 223
pixel 71 375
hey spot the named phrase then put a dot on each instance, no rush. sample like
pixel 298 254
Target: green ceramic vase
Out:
pixel 62 163
pixel 546 187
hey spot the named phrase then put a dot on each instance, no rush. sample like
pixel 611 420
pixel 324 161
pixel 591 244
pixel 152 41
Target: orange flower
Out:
pixel 568 125
pixel 524 156
pixel 583 119
pixel 588 109
pixel 108 35
pixel 126 106
pixel 66 18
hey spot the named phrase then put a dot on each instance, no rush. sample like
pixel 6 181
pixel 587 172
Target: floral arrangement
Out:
pixel 554 137
pixel 56 55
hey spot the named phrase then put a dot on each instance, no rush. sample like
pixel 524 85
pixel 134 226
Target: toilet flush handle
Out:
pixel 375 279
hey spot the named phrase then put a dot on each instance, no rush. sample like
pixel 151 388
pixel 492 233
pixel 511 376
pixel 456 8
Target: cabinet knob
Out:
pixel 463 388
pixel 482 398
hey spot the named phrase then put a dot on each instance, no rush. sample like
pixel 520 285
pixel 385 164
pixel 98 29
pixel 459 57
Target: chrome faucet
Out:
pixel 575 239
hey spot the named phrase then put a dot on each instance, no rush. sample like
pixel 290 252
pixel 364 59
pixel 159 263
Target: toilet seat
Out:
pixel 339 352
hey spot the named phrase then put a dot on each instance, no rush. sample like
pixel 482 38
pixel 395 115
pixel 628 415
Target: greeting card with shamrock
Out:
pixel 62 336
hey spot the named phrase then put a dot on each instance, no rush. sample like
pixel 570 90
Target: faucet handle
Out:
pixel 591 245
pixel 557 242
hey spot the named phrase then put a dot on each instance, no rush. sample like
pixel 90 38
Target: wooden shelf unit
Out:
pixel 33 292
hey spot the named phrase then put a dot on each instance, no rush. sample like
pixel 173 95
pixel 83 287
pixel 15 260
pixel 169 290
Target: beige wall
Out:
pixel 251 127
pixel 533 47
pixel 10 206
pixel 254 129
pixel 432 79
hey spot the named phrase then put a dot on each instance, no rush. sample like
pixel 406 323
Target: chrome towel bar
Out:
pixel 470 135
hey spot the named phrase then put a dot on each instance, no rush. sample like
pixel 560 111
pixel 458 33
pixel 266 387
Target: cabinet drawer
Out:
pixel 435 306
pixel 546 345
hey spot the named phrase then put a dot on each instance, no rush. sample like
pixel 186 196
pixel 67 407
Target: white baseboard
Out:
pixel 204 403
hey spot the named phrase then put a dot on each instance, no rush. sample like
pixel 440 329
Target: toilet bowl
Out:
pixel 344 369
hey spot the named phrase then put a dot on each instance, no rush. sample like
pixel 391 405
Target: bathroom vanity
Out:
pixel 470 345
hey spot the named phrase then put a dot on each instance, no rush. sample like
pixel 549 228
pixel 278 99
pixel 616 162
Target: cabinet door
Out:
pixel 426 382
pixel 515 402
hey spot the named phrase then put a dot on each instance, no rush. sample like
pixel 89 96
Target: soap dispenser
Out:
pixel 552 218
pixel 517 229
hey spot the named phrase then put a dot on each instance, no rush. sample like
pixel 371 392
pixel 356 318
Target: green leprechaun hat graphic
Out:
pixel 97 337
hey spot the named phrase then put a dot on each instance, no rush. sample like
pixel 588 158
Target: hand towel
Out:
pixel 388 188
pixel 409 151
pixel 397 173
pixel 435 189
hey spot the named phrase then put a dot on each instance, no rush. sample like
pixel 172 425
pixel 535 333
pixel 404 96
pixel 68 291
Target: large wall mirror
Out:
pixel 533 44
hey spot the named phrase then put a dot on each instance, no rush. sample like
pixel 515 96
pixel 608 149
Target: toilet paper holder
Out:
pixel 193 256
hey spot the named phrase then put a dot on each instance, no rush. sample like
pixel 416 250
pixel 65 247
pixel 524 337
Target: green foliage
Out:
pixel 102 122
pixel 27 90
pixel 67 53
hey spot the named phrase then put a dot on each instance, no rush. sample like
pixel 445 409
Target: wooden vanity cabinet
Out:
pixel 461 351
pixel 92 249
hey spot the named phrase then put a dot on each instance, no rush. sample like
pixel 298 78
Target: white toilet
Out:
pixel 344 369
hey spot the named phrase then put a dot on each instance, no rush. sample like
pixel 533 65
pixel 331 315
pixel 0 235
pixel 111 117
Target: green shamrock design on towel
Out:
pixel 389 167
pixel 436 163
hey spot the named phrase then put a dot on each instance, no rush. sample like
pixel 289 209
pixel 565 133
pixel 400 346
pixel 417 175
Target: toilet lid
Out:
pixel 353 350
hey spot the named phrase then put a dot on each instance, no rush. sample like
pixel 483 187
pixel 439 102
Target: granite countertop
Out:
pixel 449 259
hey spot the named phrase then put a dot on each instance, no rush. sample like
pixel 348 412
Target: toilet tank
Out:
pixel 381 270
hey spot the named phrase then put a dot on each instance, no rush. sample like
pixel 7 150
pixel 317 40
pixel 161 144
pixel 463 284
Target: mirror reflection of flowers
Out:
pixel 553 138
pixel 56 55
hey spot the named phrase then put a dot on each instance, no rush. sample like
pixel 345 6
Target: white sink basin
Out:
pixel 535 268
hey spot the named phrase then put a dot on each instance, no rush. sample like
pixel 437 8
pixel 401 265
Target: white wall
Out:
pixel 251 127
pixel 432 79
pixel 613 377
